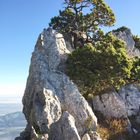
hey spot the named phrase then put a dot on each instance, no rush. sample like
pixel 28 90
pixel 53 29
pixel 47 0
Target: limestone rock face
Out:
pixel 125 103
pixel 131 97
pixel 127 37
pixel 52 102
pixel 110 105
pixel 64 129
pixel 91 136
pixel 86 137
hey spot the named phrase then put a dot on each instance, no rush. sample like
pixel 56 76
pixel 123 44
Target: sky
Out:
pixel 21 21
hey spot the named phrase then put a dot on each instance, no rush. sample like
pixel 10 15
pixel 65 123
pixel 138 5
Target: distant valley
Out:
pixel 12 120
pixel 11 124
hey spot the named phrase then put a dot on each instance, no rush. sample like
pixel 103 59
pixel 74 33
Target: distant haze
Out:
pixel 12 99
pixel 11 93
pixel 9 108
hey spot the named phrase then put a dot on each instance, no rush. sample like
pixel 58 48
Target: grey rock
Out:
pixel 49 92
pixel 135 131
pixel 64 129
pixel 127 37
pixel 86 137
pixel 131 97
pixel 94 135
pixel 137 120
pixel 125 103
pixel 46 110
pixel 110 105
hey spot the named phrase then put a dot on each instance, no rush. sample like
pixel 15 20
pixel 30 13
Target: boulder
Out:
pixel 126 35
pixel 51 100
pixel 131 97
pixel 91 136
pixel 122 105
pixel 110 105
pixel 86 137
pixel 64 129
pixel 125 103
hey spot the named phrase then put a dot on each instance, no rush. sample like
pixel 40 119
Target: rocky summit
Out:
pixel 53 107
pixel 125 34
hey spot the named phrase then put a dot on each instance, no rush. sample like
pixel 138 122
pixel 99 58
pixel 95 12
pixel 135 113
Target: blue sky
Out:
pixel 21 21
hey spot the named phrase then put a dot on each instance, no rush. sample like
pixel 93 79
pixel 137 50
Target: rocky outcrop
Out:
pixel 64 129
pixel 110 105
pixel 53 106
pixel 124 104
pixel 126 35
pixel 131 97
pixel 91 136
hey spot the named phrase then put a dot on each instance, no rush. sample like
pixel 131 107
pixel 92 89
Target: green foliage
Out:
pixel 104 66
pixel 83 16
pixel 135 71
pixel 114 129
pixel 137 41
pixel 123 28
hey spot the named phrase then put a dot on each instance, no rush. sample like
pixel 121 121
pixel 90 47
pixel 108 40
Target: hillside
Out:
pixel 11 125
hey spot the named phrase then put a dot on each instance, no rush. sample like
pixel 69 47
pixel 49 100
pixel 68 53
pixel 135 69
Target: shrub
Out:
pixel 137 41
pixel 104 66
pixel 82 17
pixel 135 71
pixel 121 29
pixel 114 129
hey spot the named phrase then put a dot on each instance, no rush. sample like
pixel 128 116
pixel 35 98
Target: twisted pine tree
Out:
pixel 83 17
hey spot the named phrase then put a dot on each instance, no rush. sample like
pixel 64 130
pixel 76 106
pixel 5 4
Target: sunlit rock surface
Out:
pixel 127 37
pixel 52 102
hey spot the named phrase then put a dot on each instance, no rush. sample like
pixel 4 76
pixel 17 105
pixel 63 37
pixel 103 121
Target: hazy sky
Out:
pixel 20 23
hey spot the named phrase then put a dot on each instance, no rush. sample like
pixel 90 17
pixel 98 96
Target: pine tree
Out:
pixel 83 17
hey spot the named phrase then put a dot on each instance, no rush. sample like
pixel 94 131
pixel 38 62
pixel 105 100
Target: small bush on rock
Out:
pixel 104 66
pixel 135 72
pixel 137 41
pixel 121 29
pixel 113 129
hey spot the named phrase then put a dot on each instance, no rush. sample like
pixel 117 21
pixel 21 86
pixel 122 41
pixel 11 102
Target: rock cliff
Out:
pixel 125 34
pixel 121 104
pixel 53 107
pixel 124 104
